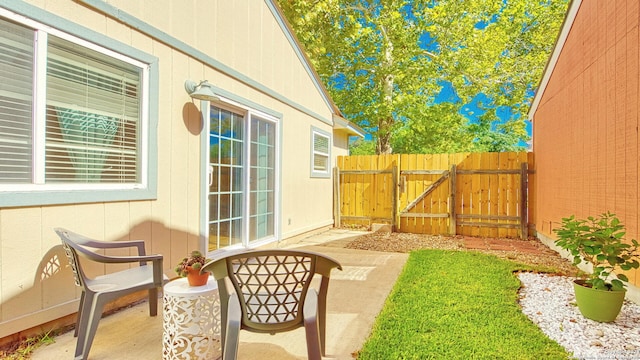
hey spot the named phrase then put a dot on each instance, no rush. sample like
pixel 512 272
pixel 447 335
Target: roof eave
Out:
pixel 346 126
pixel 570 17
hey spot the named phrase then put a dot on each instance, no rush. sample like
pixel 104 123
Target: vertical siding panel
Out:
pixel 116 227
pixel 609 25
pixel 633 15
pixel 590 143
pixel 619 125
pixel 19 265
pixel 621 19
pixel 601 136
pixel 631 131
pixel 610 130
pixel 574 147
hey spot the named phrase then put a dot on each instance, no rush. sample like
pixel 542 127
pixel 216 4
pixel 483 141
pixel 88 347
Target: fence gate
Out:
pixel 475 194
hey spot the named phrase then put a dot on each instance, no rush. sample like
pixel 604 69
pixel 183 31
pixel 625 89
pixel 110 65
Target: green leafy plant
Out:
pixel 600 242
pixel 195 260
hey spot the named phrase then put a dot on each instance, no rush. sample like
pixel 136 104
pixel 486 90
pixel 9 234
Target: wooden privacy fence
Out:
pixel 474 194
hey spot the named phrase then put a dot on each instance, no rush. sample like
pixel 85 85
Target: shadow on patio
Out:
pixel 356 296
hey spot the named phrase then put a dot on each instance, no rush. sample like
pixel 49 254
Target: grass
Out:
pixel 457 305
pixel 23 349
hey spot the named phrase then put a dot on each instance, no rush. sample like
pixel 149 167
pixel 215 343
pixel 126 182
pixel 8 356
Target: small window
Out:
pixel 72 115
pixel 320 153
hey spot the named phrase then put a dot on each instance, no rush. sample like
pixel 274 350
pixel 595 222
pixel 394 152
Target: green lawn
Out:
pixel 457 305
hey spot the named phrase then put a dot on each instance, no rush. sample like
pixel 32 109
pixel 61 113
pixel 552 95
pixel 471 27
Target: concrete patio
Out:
pixel 356 296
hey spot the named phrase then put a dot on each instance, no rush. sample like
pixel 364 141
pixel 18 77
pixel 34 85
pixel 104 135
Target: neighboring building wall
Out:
pixel 585 129
pixel 244 39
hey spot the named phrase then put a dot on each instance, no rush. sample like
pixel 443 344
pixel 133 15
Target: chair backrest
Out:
pixel 71 245
pixel 76 246
pixel 271 285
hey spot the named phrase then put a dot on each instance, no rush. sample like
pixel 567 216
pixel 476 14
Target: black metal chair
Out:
pixel 98 291
pixel 270 292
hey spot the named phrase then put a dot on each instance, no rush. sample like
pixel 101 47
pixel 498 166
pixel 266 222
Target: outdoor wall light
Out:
pixel 201 91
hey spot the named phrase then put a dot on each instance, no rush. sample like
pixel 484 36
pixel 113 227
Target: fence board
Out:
pixel 494 190
pixel 485 201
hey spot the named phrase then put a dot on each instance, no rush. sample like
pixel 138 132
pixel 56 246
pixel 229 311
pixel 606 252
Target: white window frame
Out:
pixel 315 132
pixel 40 193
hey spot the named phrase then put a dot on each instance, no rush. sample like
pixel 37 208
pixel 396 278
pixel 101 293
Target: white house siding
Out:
pixel 240 47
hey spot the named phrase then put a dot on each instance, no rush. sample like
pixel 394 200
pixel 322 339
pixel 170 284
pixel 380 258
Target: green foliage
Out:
pixel 195 260
pixel 456 305
pixel 599 242
pixel 368 54
pixel 362 147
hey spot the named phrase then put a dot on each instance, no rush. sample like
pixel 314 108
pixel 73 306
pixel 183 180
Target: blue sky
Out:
pixel 478 106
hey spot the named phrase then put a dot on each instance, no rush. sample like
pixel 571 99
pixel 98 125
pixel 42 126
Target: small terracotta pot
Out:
pixel 195 278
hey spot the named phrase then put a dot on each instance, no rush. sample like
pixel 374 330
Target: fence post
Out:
pixel 524 219
pixel 394 199
pixel 452 200
pixel 336 197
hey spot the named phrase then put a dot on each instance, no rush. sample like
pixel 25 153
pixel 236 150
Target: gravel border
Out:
pixel 549 302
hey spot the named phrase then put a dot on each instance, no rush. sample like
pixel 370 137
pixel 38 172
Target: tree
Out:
pixel 385 61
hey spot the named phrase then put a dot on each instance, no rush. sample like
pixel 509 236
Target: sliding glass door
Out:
pixel 242 178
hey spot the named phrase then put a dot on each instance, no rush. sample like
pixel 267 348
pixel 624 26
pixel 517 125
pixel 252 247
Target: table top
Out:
pixel 180 287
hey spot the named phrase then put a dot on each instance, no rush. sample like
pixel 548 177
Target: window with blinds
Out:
pixel 87 130
pixel 16 94
pixel 321 152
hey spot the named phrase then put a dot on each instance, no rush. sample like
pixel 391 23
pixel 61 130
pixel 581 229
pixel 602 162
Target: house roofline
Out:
pixel 569 19
pixel 338 118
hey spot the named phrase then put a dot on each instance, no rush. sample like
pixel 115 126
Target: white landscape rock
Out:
pixel 549 302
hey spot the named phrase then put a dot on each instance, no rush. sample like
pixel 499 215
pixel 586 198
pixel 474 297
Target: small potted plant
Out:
pixel 190 266
pixel 599 241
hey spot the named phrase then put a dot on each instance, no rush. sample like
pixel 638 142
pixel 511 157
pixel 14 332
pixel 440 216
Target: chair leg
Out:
pixel 88 331
pixel 311 329
pixel 75 333
pixel 232 326
pixel 153 302
pixel 84 314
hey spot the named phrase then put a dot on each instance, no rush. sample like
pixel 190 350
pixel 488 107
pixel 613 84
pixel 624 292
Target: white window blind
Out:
pixel 93 118
pixel 320 152
pixel 16 84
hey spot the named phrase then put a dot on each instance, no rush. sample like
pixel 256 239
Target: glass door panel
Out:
pixel 262 180
pixel 243 179
pixel 226 138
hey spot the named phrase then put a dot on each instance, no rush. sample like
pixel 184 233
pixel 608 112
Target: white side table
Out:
pixel 191 320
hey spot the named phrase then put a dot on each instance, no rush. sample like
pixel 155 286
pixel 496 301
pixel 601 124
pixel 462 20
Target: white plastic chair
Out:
pixel 98 291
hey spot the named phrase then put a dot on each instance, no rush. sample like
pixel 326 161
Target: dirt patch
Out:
pixel 531 251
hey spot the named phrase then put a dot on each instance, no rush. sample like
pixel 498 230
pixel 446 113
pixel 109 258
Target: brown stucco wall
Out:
pixel 585 130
